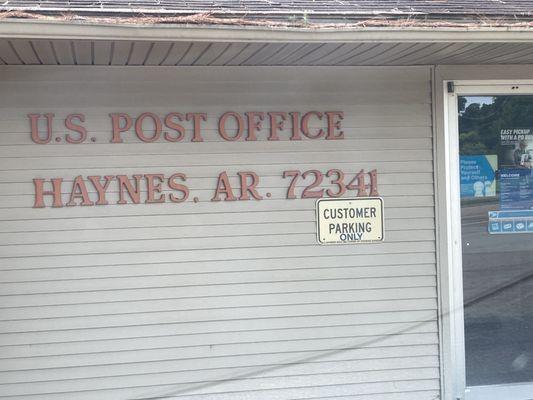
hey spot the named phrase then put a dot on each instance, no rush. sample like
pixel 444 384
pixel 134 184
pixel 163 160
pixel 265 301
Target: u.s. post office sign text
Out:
pixel 172 187
pixel 356 220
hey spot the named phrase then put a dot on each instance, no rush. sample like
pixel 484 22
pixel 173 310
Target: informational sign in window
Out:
pixel 478 175
pixel 516 189
pixel 513 136
pixel 343 221
pixel 520 221
pixel 517 144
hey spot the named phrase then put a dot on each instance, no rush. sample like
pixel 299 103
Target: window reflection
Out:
pixel 496 153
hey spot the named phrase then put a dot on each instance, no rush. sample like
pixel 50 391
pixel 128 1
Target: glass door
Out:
pixel 495 168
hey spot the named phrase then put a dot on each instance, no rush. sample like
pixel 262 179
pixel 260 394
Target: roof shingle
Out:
pixel 312 11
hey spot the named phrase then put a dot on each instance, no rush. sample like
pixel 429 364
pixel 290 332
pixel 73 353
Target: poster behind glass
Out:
pixel 496 154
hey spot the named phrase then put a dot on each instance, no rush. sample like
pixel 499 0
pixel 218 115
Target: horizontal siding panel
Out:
pixel 373 267
pixel 216 300
pixel 385 75
pixel 111 245
pixel 182 219
pixel 354 389
pixel 336 100
pixel 128 361
pixel 133 80
pixel 232 253
pixel 413 91
pixel 272 369
pixel 242 384
pixel 238 96
pixel 416 395
pixel 392 249
pixel 216 266
pixel 222 159
pixel 159 232
pixel 273 282
pixel 18 280
pixel 162 257
pixel 202 207
pixel 260 75
pixel 358 391
pixel 44 343
pixel 245 286
pixel 163 335
pixel 82 270
pixel 217 313
pixel 153 233
pixel 313 348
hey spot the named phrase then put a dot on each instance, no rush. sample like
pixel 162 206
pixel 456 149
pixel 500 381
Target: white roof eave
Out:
pixel 74 30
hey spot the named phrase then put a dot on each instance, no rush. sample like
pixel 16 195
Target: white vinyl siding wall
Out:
pixel 228 300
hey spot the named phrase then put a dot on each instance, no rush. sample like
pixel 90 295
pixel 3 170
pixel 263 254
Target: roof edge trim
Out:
pixel 32 29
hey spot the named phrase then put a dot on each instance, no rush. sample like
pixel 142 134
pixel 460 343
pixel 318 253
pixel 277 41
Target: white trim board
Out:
pixel 466 79
pixel 171 32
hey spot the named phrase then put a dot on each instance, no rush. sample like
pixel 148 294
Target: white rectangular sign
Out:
pixel 357 220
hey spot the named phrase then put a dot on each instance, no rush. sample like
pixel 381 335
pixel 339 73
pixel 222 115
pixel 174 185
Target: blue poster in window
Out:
pixel 516 189
pixel 478 176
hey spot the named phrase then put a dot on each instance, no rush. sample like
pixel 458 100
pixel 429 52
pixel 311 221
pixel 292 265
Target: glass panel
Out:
pixel 496 155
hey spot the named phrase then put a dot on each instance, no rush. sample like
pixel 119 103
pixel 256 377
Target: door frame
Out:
pixel 451 283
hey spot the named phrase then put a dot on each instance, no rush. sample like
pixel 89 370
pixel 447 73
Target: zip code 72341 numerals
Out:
pixel 363 183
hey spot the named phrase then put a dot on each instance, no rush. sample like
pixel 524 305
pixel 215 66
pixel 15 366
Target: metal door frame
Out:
pixel 452 90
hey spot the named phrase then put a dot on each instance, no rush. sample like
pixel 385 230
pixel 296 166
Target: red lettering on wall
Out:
pixel 101 189
pixel 133 192
pixel 71 126
pixel 311 183
pixel 118 126
pixel 254 124
pixel 169 123
pixel 139 127
pixel 222 126
pixel 149 127
pixel 79 191
pixel 305 125
pixel 197 119
pixel 178 187
pixel 34 123
pixel 334 124
pixel 249 185
pixel 153 188
pixel 275 124
pixel 223 187
pixel 296 134
pixel 40 192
